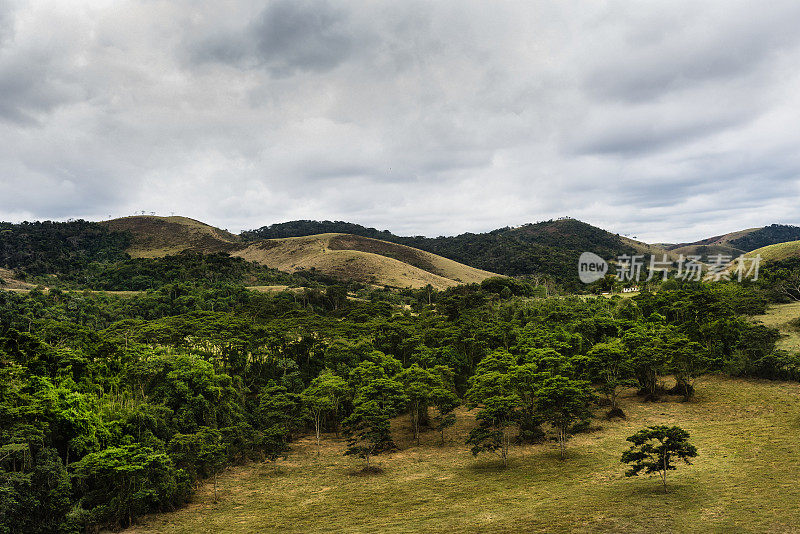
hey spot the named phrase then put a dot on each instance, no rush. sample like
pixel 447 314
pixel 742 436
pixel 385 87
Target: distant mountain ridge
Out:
pixel 354 252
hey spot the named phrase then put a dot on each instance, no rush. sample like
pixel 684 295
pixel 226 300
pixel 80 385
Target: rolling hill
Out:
pixel 338 255
pixel 350 251
pixel 778 251
pixel 545 248
pixel 154 236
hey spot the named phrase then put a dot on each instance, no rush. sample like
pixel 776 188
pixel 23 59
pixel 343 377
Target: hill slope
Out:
pixel 550 247
pixel 338 255
pixel 8 281
pixel 778 251
pixel 154 236
pixel 739 242
pixel 362 259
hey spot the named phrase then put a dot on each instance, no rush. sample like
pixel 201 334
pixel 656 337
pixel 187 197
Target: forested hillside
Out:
pixel 115 406
pixel 769 235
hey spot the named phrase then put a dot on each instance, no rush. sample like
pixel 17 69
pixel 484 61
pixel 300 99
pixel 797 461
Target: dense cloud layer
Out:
pixel 668 121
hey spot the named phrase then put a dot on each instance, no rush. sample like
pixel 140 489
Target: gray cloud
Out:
pixel 286 37
pixel 668 121
pixel 654 53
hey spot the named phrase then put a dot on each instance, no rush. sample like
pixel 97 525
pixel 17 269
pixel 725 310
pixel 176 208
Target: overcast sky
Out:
pixel 669 121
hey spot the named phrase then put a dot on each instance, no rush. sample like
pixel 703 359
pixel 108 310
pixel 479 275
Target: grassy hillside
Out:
pixel 769 235
pixel 725 239
pixel 159 236
pixel 9 281
pixel 744 479
pixel 779 251
pixel 705 251
pixel 362 259
pixel 341 256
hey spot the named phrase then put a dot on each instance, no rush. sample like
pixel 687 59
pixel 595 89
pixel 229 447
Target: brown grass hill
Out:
pixel 341 256
pixel 362 259
pixel 153 236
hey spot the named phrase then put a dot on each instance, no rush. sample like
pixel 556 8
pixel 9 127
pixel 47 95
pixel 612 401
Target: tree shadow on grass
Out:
pixel 490 465
pixel 366 471
pixel 681 494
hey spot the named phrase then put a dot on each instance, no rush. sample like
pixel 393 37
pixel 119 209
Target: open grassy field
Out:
pixel 778 316
pixel 745 479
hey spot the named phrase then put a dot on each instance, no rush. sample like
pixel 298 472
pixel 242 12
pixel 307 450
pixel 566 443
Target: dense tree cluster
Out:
pixel 136 274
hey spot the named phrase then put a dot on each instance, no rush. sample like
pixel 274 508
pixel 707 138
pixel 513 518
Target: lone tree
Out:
pixel 655 449
pixel 418 385
pixel 498 423
pixel 444 399
pixel 445 402
pixel 688 360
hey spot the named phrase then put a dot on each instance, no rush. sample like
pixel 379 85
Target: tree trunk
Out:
pixel 415 422
pixel 317 418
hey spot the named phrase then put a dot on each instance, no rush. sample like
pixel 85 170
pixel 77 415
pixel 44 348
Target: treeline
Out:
pixel 114 407
pixel 547 248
